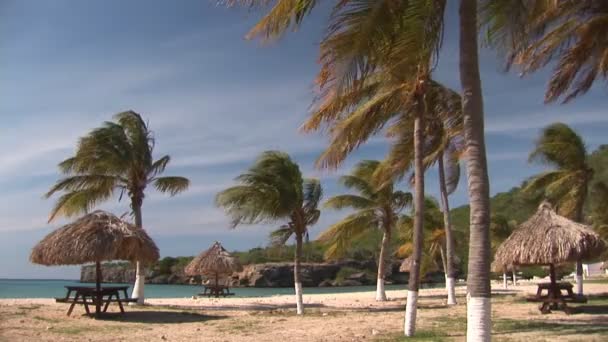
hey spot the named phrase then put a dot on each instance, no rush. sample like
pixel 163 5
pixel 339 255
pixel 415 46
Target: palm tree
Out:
pixel 116 157
pixel 273 190
pixel 569 34
pixel 566 186
pixel 478 279
pixel 376 208
pixel 354 53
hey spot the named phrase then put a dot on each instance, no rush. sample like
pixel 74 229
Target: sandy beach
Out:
pixel 328 317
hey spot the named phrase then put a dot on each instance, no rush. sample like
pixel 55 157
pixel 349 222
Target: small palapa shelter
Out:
pixel 95 237
pixel 215 262
pixel 547 238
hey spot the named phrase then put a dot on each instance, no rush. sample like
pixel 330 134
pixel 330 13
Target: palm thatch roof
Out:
pixel 214 261
pixel 548 238
pixel 406 264
pixel 95 237
pixel 427 265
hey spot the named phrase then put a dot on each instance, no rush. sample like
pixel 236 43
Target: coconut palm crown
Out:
pixel 571 35
pixel 272 190
pixel 567 184
pixel 116 157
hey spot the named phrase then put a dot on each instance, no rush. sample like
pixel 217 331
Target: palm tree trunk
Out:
pixel 479 321
pixel 296 274
pixel 414 278
pixel 380 293
pixel 140 278
pixel 449 239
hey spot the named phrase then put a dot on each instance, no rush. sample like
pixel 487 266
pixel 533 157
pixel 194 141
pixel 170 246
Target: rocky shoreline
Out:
pixel 343 273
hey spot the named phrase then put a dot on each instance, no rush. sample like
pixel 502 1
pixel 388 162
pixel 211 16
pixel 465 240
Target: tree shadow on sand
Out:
pixel 163 317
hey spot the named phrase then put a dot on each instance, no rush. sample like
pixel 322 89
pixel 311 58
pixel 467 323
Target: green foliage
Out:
pixel 168 265
pixel 376 208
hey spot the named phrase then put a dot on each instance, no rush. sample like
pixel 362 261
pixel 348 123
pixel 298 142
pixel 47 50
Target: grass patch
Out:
pixel 46 319
pixel 509 326
pixel 420 335
pixel 239 327
pixel 80 329
pixel 29 307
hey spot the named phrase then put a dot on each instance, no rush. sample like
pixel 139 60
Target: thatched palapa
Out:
pixel 95 237
pixel 547 238
pixel 216 261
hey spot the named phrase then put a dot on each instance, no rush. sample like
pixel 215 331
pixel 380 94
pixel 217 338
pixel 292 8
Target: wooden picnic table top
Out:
pixel 560 285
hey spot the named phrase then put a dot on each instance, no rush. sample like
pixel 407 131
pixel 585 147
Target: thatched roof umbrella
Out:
pixel 547 238
pixel 216 262
pixel 95 237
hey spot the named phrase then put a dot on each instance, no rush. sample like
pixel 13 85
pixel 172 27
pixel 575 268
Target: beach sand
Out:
pixel 328 317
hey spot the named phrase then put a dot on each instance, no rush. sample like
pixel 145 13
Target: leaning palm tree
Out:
pixel 273 190
pixel 376 208
pixel 356 51
pixel 567 34
pixel 566 186
pixel 116 157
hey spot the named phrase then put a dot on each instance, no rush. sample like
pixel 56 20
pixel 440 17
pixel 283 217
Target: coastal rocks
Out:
pixel 258 275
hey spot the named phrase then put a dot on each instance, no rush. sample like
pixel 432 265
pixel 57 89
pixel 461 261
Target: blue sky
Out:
pixel 214 101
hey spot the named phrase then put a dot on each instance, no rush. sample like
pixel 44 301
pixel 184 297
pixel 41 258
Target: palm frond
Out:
pixel 340 235
pixel 349 201
pixel 79 201
pixel 83 182
pixel 172 185
pixel 280 236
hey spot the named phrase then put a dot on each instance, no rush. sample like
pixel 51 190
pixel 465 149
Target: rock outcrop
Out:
pixel 258 275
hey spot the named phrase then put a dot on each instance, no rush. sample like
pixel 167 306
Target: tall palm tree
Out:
pixel 478 279
pixel 376 208
pixel 567 184
pixel 116 157
pixel 569 34
pixel 273 190
pixel 355 53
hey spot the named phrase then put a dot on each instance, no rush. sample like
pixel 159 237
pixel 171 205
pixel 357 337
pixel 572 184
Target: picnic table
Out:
pixel 555 299
pixel 87 295
pixel 216 290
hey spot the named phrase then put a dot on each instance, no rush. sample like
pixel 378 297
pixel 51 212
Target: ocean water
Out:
pixel 29 288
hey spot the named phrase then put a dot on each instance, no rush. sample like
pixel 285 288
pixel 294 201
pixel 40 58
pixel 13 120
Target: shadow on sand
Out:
pixel 164 317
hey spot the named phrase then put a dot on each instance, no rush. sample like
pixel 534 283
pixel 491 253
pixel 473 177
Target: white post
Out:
pixel 579 285
pixel 138 288
pixel 299 302
pixel 504 281
pixel 410 313
pixel 514 278
pixel 449 283
pixel 380 293
pixel 479 323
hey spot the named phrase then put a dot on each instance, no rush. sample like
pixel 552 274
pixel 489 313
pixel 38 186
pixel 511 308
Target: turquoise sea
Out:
pixel 29 288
